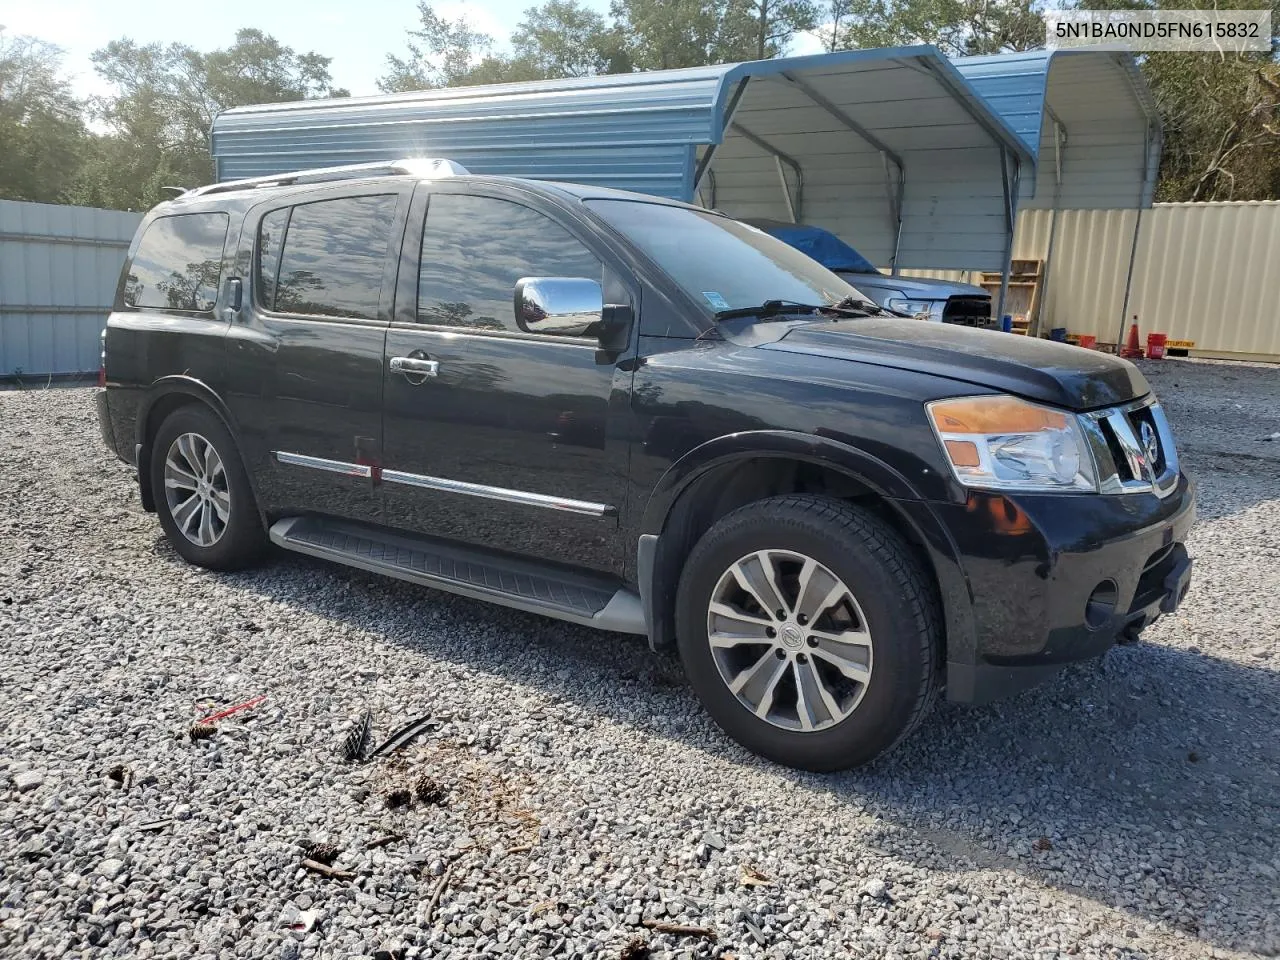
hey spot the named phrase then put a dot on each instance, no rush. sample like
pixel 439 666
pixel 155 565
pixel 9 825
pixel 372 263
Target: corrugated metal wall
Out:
pixel 58 271
pixel 1206 272
pixel 634 131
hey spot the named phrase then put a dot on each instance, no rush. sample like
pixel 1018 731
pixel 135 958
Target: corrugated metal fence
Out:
pixel 1208 272
pixel 58 271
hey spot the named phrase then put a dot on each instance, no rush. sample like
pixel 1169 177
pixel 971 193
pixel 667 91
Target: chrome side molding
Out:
pixel 320 463
pixel 503 494
pixel 524 497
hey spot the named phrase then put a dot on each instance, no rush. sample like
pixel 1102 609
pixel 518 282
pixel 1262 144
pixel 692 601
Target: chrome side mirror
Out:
pixel 560 306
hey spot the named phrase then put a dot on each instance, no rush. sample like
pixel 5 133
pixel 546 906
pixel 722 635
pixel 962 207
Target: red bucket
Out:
pixel 1088 341
pixel 1155 345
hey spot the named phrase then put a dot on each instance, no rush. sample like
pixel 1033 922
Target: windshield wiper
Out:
pixel 848 307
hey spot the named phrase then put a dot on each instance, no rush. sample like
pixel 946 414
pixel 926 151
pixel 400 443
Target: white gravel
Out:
pixel 1129 809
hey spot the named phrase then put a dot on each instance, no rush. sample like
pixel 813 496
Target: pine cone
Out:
pixel 202 731
pixel 324 853
pixel 399 797
pixel 356 743
pixel 427 790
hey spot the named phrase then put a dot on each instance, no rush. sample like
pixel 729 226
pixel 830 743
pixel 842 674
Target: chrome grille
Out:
pixel 1133 449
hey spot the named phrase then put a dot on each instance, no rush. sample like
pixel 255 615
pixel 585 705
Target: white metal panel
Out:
pixel 1202 271
pixel 59 266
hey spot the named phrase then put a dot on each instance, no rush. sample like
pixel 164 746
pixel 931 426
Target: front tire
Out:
pixel 809 630
pixel 202 494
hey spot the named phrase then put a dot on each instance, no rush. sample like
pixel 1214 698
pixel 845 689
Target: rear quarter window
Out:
pixel 178 264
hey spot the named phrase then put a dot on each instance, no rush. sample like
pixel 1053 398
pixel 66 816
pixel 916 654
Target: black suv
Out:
pixel 646 417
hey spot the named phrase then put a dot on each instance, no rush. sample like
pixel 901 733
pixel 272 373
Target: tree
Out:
pixel 163 104
pixel 761 29
pixel 957 27
pixel 562 38
pixel 41 133
pixel 1221 125
pixel 833 23
pixel 663 34
pixel 1221 113
pixel 441 53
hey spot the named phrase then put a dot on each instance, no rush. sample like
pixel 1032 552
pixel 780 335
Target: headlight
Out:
pixel 1005 443
pixel 929 308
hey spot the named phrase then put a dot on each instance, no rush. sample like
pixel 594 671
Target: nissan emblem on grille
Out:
pixel 1150 448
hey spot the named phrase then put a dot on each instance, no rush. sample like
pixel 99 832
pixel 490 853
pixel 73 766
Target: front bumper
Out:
pixel 1054 579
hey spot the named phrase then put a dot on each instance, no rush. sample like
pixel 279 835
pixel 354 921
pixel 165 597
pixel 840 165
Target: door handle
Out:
pixel 415 367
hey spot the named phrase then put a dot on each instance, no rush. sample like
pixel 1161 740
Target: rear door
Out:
pixel 507 443
pixel 306 360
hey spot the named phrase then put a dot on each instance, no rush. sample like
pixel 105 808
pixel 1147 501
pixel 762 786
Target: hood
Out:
pixel 914 288
pixel 1040 370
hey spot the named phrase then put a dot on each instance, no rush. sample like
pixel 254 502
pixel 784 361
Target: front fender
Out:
pixel 859 465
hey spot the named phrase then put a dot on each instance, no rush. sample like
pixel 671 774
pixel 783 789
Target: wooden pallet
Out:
pixel 1023 299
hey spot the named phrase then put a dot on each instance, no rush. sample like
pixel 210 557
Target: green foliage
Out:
pixel 1221 113
pixel 163 104
pixel 562 38
pixel 41 133
pixel 957 27
pixel 692 33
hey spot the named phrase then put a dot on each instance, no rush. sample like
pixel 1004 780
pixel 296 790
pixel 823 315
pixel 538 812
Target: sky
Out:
pixel 356 34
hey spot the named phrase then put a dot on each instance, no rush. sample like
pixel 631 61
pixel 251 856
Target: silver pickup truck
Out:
pixel 942 300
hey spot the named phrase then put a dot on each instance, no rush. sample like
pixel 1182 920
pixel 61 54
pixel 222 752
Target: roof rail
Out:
pixel 424 167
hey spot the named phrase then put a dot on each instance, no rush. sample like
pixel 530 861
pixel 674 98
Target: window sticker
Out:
pixel 717 301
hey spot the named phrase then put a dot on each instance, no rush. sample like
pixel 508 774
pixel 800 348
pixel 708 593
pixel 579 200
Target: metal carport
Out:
pixel 891 148
pixel 895 150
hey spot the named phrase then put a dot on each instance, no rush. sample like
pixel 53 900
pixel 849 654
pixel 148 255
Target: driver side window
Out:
pixel 474 249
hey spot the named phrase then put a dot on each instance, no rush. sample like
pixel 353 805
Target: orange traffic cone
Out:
pixel 1133 346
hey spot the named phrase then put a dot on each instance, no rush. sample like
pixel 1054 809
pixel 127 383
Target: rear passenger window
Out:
pixel 474 249
pixel 333 258
pixel 270 240
pixel 178 264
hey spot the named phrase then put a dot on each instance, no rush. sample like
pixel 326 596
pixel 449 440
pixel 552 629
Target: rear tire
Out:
pixel 202 494
pixel 847 663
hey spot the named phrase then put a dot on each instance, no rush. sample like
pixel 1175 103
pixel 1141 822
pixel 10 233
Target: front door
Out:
pixel 491 435
pixel 306 363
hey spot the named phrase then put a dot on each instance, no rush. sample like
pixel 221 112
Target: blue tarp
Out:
pixel 823 246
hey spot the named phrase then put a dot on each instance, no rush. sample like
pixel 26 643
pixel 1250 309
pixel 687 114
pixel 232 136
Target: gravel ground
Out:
pixel 1131 808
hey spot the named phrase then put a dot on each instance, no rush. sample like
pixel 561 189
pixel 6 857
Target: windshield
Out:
pixel 721 263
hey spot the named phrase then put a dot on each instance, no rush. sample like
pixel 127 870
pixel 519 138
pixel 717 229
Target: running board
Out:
pixel 479 574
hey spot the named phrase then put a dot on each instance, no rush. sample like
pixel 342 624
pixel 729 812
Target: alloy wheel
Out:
pixel 195 488
pixel 789 640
